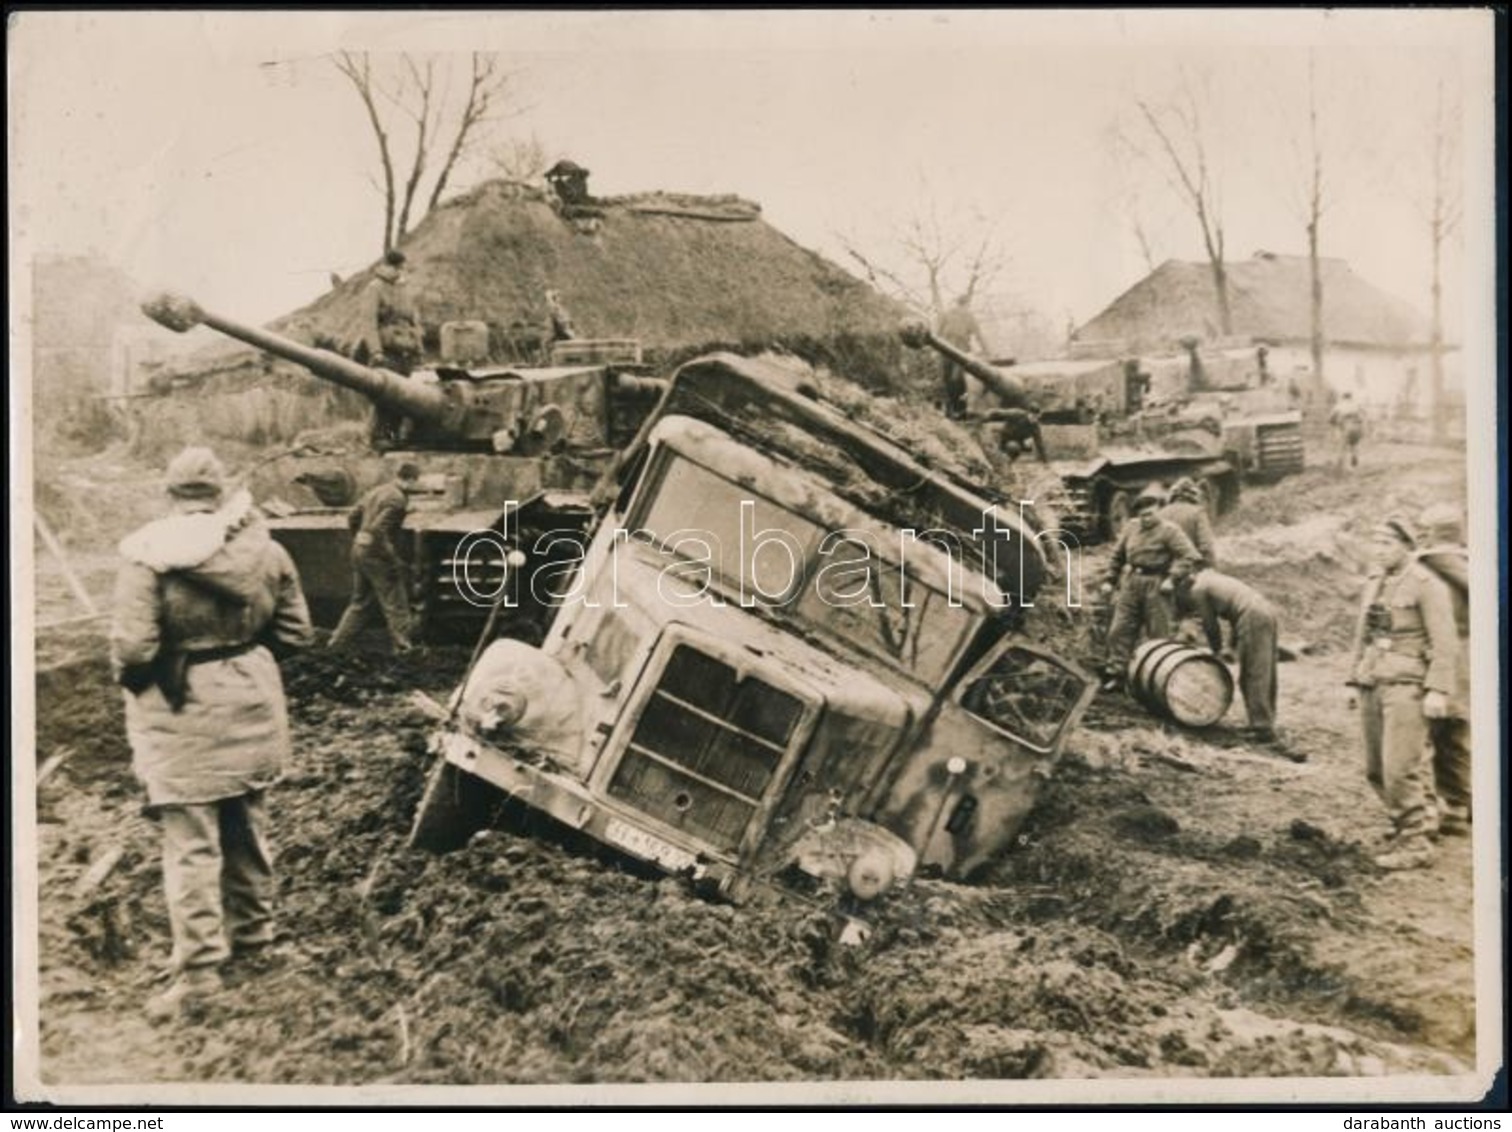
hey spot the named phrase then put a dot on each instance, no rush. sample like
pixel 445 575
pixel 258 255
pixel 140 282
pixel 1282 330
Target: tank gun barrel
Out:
pixel 381 386
pixel 1009 389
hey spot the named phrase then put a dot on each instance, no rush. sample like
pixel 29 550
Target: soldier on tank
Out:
pixel 958 326
pixel 1405 657
pixel 1151 553
pixel 561 321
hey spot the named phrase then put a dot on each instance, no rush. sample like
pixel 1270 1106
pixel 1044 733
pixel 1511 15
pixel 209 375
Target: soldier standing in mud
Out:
pixel 1188 512
pixel 203 601
pixel 379 578
pixel 1442 531
pixel 1150 555
pixel 1213 598
pixel 958 326
pixel 1404 673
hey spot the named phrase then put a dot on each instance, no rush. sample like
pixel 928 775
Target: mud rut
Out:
pixel 1178 905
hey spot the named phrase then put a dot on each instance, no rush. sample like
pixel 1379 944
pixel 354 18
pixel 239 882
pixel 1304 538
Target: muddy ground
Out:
pixel 1179 905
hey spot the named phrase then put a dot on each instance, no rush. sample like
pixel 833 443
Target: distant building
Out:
pixel 1377 345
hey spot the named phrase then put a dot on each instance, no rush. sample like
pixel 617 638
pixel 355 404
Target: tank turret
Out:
pixel 505 449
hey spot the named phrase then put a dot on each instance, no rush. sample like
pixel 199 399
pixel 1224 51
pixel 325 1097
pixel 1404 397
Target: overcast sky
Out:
pixel 221 154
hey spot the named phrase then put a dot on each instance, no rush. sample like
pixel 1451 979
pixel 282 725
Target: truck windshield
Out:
pixel 754 547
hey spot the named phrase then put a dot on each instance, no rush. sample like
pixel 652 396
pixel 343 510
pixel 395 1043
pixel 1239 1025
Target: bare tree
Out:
pixel 521 159
pixel 446 112
pixel 1176 142
pixel 1309 200
pixel 939 253
pixel 1126 195
pixel 1445 211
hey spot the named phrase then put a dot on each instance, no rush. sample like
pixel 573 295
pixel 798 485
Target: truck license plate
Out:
pixel 643 844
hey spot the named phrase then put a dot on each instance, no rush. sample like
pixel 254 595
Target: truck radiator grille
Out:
pixel 705 748
pixel 1278 449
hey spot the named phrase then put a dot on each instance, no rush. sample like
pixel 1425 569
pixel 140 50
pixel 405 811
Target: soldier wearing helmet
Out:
pixel 1405 656
pixel 1150 554
pixel 1187 510
pixel 1441 550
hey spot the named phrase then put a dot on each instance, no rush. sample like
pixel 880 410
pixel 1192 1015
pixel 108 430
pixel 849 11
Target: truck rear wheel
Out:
pixel 455 806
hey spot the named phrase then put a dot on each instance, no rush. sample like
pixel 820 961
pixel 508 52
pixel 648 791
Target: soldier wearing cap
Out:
pixel 1151 553
pixel 1187 511
pixel 379 577
pixel 1405 657
pixel 1442 551
pixel 204 599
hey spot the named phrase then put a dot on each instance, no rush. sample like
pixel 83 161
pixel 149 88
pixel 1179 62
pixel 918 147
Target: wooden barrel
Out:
pixel 1189 686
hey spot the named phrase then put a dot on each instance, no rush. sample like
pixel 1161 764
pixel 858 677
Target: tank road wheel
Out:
pixel 455 806
pixel 1119 511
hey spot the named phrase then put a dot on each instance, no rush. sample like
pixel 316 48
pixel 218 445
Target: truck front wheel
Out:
pixel 455 806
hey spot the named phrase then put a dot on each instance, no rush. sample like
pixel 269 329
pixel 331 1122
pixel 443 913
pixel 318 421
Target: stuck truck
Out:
pixel 787 656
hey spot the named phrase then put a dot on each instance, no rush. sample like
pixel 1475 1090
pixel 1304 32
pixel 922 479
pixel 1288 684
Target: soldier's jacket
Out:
pixel 218 727
pixel 1452 565
pixel 1193 520
pixel 959 327
pixel 378 518
pixel 1405 633
pixel 1162 549
pixel 1214 596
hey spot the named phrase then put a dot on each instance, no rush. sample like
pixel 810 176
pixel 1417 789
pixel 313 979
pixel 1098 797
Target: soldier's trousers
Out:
pixel 378 584
pixel 218 878
pixel 1396 755
pixel 1451 764
pixel 1255 643
pixel 1140 611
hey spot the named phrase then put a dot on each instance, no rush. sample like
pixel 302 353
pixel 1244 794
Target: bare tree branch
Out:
pixel 424 83
pixel 1446 212
pixel 1176 127
pixel 420 90
pixel 358 71
pixel 486 86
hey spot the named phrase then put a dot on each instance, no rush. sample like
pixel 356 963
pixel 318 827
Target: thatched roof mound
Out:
pixel 681 273
pixel 1269 301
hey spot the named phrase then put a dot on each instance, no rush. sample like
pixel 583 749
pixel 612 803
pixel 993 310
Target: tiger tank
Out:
pixel 508 456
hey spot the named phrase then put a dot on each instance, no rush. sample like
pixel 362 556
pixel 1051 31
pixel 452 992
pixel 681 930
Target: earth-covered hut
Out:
pixel 682 274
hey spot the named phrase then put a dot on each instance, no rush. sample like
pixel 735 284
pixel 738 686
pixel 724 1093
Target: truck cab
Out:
pixel 757 681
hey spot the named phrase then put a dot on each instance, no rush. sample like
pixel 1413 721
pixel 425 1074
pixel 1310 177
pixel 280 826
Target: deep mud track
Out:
pixel 1179 905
